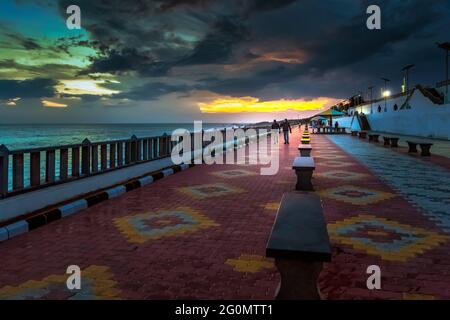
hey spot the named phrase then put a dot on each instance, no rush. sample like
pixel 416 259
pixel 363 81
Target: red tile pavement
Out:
pixel 221 255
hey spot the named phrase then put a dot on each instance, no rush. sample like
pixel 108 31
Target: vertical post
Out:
pixel 4 162
pixel 76 162
pixel 145 149
pixel 103 153
pixel 18 171
pixel 134 149
pixel 120 154
pixel 35 168
pixel 85 157
pixel 138 150
pixel 50 166
pixel 149 149
pixel 94 158
pixel 128 150
pixel 112 155
pixel 63 163
pixel 161 147
pixel 155 147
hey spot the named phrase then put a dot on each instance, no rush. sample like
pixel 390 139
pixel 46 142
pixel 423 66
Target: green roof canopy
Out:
pixel 331 112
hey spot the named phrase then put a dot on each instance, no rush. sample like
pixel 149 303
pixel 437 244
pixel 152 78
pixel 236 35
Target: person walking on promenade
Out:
pixel 276 126
pixel 286 130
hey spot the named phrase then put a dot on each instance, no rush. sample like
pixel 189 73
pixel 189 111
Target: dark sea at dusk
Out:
pixel 20 136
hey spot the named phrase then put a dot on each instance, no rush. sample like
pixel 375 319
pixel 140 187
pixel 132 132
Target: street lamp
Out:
pixel 406 69
pixel 371 97
pixel 446 47
pixel 386 93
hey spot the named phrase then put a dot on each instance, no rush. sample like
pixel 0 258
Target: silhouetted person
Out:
pixel 275 125
pixel 286 130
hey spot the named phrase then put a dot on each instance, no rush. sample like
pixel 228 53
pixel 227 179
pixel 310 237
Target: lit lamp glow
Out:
pixel 386 93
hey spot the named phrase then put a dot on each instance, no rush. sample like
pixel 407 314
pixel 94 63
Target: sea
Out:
pixel 24 136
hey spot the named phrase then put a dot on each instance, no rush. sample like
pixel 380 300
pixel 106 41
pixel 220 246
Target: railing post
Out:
pixel 145 149
pixel 112 155
pixel 128 150
pixel 85 157
pixel 149 149
pixel 63 163
pixel 94 165
pixel 35 168
pixel 103 151
pixel 76 162
pixel 155 148
pixel 139 150
pixel 18 171
pixel 120 154
pixel 134 154
pixel 4 162
pixel 50 166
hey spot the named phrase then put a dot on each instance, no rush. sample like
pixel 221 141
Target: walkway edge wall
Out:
pixel 43 218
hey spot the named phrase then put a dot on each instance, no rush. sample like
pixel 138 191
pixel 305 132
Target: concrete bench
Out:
pixel 424 147
pixel 305 150
pixel 300 244
pixel 374 137
pixel 304 168
pixel 362 134
pixel 392 141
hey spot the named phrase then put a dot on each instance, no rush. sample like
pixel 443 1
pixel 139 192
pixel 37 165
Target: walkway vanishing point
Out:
pixel 382 207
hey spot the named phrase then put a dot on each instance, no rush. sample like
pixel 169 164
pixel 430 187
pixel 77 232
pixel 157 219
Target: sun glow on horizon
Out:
pixel 251 104
pixel 85 87
pixel 52 104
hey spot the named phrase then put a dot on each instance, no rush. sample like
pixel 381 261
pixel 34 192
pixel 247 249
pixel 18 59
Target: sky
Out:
pixel 142 61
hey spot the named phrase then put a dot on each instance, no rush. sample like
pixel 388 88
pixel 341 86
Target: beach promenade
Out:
pixel 202 233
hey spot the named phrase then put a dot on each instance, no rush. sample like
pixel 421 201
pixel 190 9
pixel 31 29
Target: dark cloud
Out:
pixel 25 42
pixel 152 91
pixel 154 38
pixel 217 46
pixel 35 88
pixel 127 60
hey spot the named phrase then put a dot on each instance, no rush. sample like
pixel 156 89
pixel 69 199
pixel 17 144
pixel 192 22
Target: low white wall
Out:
pixel 348 122
pixel 424 119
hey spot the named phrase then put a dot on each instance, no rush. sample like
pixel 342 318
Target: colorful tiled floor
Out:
pixel 201 234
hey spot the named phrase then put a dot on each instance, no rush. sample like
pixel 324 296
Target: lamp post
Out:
pixel 385 92
pixel 371 97
pixel 406 70
pixel 446 47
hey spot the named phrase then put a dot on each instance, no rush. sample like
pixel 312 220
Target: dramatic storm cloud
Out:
pixel 178 59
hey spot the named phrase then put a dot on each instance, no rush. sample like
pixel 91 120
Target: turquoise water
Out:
pixel 33 136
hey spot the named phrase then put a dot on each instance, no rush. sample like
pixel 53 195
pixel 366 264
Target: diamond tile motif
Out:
pixel 250 263
pixel 96 283
pixel 342 175
pixel 356 195
pixel 236 173
pixel 156 225
pixel 390 240
pixel 210 190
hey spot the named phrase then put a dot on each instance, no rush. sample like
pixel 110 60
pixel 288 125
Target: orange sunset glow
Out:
pixel 251 104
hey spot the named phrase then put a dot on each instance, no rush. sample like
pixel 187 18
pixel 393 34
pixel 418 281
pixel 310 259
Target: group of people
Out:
pixel 285 126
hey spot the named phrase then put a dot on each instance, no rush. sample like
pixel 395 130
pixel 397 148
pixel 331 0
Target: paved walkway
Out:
pixel 202 233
